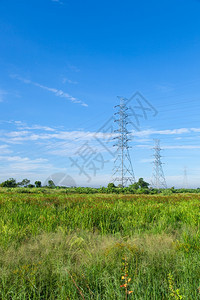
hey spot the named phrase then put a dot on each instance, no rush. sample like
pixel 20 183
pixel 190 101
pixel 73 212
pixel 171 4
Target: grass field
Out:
pixel 59 246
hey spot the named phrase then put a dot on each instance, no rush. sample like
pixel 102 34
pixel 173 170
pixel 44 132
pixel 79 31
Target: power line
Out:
pixel 123 170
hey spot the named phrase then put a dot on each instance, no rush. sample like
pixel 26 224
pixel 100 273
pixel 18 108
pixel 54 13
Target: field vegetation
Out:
pixel 60 245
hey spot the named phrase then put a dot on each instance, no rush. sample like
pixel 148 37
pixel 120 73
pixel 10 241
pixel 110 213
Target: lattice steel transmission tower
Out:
pixel 158 180
pixel 185 179
pixel 123 169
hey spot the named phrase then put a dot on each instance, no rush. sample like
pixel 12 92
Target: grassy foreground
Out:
pixel 59 246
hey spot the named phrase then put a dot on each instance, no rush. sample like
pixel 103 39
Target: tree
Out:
pixel 111 185
pixel 24 183
pixel 11 182
pixel 31 185
pixel 51 184
pixel 143 184
pixel 38 184
pixel 120 185
pixel 134 186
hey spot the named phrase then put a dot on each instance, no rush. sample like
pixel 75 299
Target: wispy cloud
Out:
pixel 181 147
pixel 37 132
pixel 69 81
pixel 195 129
pixel 23 126
pixel 26 135
pixel 38 127
pixel 56 92
pixel 21 159
pixel 164 88
pixel 184 147
pixel 4 149
pixel 25 163
pixel 74 68
pixel 2 94
pixel 176 131
pixel 146 160
pixel 58 1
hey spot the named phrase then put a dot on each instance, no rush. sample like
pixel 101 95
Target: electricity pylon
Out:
pixel 185 179
pixel 123 169
pixel 158 178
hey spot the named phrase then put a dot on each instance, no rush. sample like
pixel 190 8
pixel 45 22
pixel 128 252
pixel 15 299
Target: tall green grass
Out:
pixel 58 246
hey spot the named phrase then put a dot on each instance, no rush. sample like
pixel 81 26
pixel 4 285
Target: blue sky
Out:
pixel 62 65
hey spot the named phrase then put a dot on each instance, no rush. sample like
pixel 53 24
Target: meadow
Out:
pixel 55 245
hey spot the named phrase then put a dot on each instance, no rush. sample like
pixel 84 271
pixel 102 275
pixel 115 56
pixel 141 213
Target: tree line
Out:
pixel 139 187
pixel 12 183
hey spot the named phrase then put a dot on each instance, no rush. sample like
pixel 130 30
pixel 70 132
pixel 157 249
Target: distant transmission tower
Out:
pixel 158 180
pixel 123 170
pixel 185 179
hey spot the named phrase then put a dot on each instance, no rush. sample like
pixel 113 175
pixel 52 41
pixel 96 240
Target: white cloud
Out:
pixel 56 92
pixel 37 127
pixel 142 140
pixel 24 163
pixel 39 169
pixel 178 138
pixel 23 126
pixel 184 147
pixel 75 148
pixel 15 134
pixel 181 147
pixel 162 132
pixel 146 160
pixel 195 129
pixel 144 146
pixel 62 143
pixel 142 136
pixel 4 149
pixel 25 135
pixel 21 159
pixel 45 133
